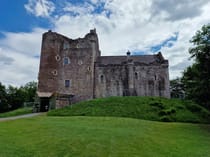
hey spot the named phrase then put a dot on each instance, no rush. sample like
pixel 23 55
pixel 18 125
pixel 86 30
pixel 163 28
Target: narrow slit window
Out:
pixel 136 75
pixel 102 78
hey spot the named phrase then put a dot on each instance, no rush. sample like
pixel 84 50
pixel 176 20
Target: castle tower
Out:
pixel 66 71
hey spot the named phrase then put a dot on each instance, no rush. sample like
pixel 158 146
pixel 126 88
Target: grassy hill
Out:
pixel 148 108
pixel 16 112
pixel 101 137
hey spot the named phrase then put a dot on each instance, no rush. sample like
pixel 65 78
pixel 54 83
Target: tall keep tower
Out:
pixel 66 69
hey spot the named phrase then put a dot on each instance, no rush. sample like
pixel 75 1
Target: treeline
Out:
pixel 195 81
pixel 12 98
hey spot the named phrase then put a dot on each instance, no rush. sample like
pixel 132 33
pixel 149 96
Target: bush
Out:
pixel 157 104
pixel 167 111
pixel 193 107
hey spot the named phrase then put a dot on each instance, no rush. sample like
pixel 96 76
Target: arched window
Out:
pixel 136 75
pixel 66 60
pixel 102 78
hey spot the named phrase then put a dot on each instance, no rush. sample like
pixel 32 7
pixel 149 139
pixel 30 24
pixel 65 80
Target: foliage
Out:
pixel 148 108
pixel 16 112
pixel 3 101
pixel 102 137
pixel 177 88
pixel 196 78
pixel 12 98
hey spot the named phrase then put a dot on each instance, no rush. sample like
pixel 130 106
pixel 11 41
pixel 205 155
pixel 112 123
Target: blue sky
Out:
pixel 142 27
pixel 14 17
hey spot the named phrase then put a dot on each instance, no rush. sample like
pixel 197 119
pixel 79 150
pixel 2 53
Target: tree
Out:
pixel 196 78
pixel 177 89
pixel 3 101
pixel 30 91
pixel 15 97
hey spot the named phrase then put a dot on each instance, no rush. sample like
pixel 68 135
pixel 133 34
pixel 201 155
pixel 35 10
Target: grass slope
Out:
pixel 17 112
pixel 101 137
pixel 148 108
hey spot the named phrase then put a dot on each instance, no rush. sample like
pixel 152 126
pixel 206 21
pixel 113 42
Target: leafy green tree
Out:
pixel 15 97
pixel 3 100
pixel 196 78
pixel 30 90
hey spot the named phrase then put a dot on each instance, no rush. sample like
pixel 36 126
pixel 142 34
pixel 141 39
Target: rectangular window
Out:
pixel 66 61
pixel 67 83
pixel 66 45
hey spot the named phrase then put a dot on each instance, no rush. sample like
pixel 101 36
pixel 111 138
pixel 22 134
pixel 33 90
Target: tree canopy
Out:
pixel 196 78
pixel 14 97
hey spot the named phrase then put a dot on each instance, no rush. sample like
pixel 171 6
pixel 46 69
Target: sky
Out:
pixel 140 26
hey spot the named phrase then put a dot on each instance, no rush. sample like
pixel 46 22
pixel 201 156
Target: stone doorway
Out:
pixel 44 104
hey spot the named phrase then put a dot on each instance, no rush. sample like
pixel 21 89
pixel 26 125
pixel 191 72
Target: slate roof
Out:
pixel 142 59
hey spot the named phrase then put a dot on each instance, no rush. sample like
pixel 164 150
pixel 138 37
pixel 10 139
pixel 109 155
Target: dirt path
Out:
pixel 21 116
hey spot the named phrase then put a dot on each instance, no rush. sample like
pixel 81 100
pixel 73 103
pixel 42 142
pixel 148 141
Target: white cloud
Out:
pixel 177 10
pixel 21 70
pixel 40 8
pixel 86 8
pixel 25 43
pixel 133 25
pixel 121 25
pixel 18 57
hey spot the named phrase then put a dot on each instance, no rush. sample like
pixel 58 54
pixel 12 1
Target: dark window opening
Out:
pixel 66 61
pixel 136 75
pixel 67 83
pixel 102 78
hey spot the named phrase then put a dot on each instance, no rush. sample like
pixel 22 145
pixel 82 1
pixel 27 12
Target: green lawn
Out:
pixel 16 112
pixel 147 108
pixel 102 137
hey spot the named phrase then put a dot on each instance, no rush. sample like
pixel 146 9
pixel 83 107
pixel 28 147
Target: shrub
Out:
pixel 157 104
pixel 193 107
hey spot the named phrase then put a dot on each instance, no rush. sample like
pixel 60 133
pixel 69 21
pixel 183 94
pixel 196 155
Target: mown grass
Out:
pixel 148 108
pixel 17 112
pixel 101 137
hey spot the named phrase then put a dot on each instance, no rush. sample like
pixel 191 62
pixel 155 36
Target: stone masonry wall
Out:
pixel 75 69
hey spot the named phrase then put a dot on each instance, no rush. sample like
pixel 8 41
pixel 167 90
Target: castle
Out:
pixel 74 70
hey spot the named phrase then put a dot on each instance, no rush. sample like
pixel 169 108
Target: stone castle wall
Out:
pixel 132 80
pixel 74 68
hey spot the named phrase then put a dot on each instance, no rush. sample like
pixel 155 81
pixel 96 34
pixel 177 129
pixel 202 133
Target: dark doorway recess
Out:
pixel 44 104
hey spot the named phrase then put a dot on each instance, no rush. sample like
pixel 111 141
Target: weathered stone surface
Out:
pixel 91 75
